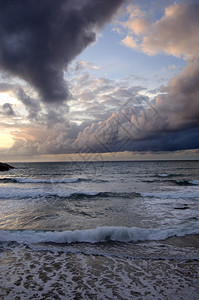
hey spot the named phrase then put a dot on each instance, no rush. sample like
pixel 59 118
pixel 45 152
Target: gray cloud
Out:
pixel 32 105
pixel 44 115
pixel 5 87
pixel 7 107
pixel 170 123
pixel 38 39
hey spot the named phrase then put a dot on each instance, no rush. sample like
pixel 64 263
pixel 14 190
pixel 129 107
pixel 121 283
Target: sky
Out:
pixel 99 80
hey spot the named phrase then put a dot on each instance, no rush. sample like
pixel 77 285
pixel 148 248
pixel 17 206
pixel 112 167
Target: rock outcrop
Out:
pixel 5 167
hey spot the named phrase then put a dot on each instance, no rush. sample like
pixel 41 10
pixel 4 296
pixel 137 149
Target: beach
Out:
pixel 106 230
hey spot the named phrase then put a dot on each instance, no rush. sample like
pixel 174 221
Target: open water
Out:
pixel 100 230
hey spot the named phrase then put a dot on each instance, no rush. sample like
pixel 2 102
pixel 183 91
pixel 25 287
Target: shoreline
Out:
pixel 191 240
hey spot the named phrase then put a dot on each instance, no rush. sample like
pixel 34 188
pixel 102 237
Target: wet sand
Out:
pixel 148 272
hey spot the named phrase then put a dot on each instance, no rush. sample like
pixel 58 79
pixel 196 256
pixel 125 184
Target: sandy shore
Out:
pixel 151 271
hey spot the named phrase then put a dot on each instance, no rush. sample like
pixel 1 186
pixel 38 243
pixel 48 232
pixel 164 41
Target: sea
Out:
pixel 100 230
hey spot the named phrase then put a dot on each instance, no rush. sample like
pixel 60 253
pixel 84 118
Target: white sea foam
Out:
pixel 92 273
pixel 99 234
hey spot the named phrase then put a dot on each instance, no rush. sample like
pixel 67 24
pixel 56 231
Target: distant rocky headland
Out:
pixel 5 167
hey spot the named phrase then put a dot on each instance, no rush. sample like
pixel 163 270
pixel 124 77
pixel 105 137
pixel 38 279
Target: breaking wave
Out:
pixel 97 235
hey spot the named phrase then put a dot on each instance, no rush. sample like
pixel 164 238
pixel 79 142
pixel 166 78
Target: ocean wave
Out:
pixel 39 193
pixel 178 194
pixel 167 175
pixel 194 182
pixel 186 182
pixel 35 180
pixel 97 235
pixel 183 182
pixel 6 180
pixel 48 181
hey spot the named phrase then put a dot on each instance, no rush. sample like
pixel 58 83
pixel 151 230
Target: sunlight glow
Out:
pixel 6 140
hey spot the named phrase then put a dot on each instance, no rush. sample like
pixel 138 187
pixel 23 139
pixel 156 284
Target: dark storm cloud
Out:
pixel 38 39
pixel 166 141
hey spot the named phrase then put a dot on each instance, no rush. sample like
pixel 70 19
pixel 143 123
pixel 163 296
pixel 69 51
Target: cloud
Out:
pixel 38 140
pixel 115 116
pixel 138 21
pixel 176 33
pixel 130 41
pixel 56 131
pixel 32 105
pixel 180 103
pixel 5 87
pixel 38 39
pixel 171 123
pixel 81 64
pixel 7 108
